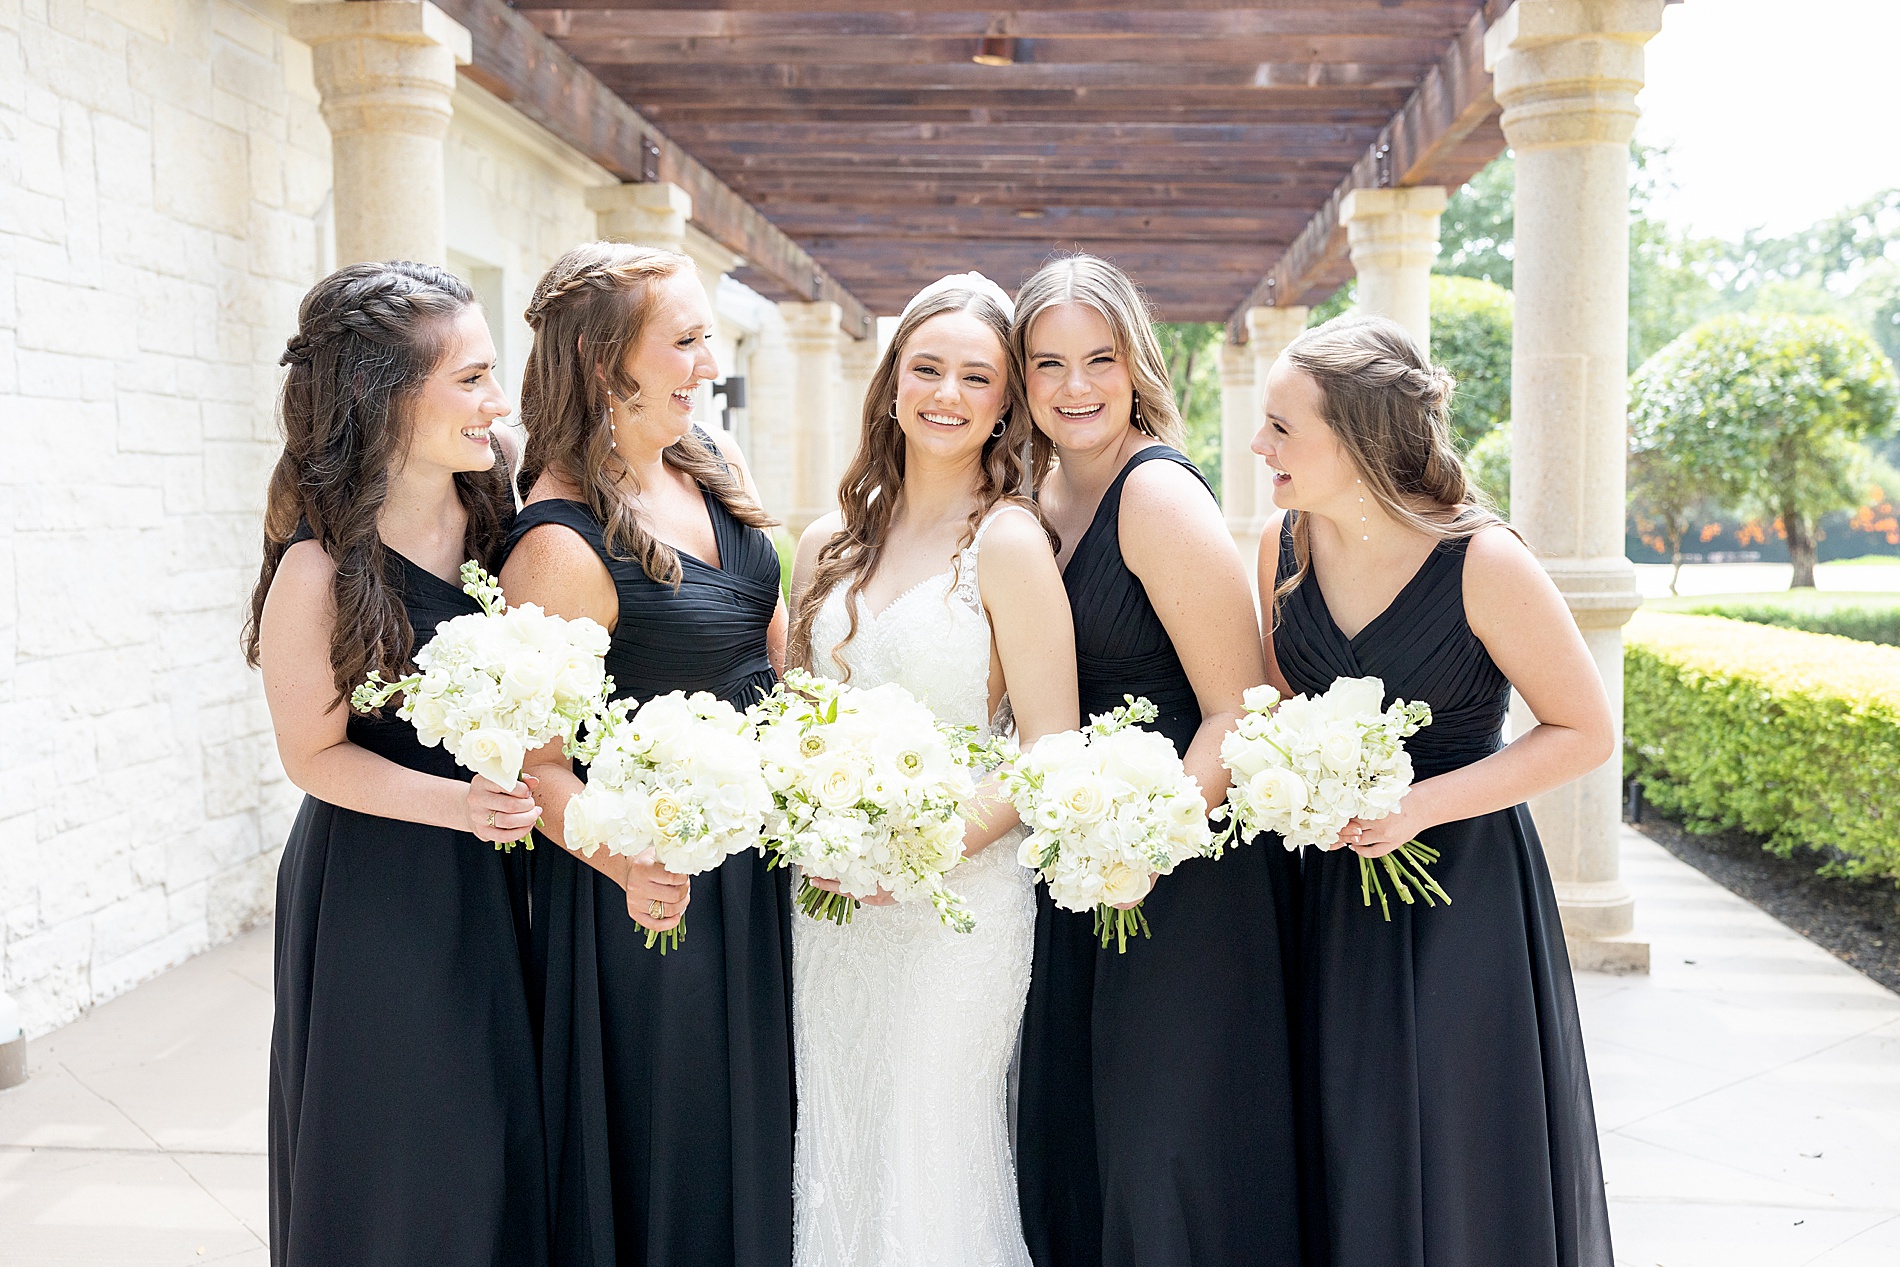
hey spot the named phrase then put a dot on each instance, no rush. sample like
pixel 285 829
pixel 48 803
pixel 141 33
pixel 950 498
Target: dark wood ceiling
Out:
pixel 1191 142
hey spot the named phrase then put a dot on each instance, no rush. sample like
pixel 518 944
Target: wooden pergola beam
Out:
pixel 1421 145
pixel 853 50
pixel 1104 21
pixel 523 67
pixel 872 7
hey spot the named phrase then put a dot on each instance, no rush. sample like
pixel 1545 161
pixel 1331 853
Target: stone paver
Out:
pixel 1748 1093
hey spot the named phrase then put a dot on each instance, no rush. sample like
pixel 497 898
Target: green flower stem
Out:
pixel 1405 867
pixel 1112 924
pixel 824 904
pixel 668 940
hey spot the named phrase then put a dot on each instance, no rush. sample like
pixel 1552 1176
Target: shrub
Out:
pixel 1789 735
pixel 1874 618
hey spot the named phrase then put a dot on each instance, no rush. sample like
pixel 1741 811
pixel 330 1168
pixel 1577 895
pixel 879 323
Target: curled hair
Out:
pixel 368 337
pixel 589 310
pixel 1097 284
pixel 1390 410
pixel 868 493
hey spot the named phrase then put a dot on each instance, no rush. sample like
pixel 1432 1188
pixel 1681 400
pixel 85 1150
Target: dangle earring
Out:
pixel 1363 535
pixel 613 445
pixel 1137 418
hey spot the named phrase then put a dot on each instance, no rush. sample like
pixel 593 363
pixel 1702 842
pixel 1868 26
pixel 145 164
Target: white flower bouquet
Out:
pixel 867 786
pixel 682 776
pixel 494 685
pixel 1306 768
pixel 1108 808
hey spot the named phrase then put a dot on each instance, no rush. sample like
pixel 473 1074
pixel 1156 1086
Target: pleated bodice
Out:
pixel 1421 646
pixel 701 636
pixel 1121 646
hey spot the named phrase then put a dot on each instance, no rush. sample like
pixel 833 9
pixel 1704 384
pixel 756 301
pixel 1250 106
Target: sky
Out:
pixel 1777 112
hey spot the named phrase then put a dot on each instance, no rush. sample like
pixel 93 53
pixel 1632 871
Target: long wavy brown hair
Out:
pixel 874 481
pixel 588 312
pixel 368 337
pixel 1390 410
pixel 1095 283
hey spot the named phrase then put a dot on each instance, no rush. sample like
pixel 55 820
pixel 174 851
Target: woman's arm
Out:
pixel 1521 618
pixel 1174 540
pixel 554 568
pixel 1268 568
pixel 312 735
pixel 1033 641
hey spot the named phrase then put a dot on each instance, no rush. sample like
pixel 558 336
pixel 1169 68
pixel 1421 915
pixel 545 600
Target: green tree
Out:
pixel 1471 338
pixel 1488 465
pixel 1771 411
pixel 1476 232
pixel 1192 349
pixel 1667 489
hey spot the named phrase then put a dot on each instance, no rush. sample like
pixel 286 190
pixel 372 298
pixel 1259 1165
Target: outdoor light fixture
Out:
pixel 995 50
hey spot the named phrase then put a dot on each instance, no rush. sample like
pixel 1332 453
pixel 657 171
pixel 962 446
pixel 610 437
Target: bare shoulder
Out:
pixel 1270 535
pixel 1016 533
pixel 1164 489
pixel 550 546
pixel 821 530
pixel 1496 557
pixel 304 575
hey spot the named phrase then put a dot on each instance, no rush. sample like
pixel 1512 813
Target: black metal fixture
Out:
pixel 995 50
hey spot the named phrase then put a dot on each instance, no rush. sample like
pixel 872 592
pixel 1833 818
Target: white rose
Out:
pixel 1340 746
pixel 1355 697
pixel 1258 699
pixel 1273 792
pixel 1078 795
pixel 492 753
pixel 834 783
pixel 1121 883
pixel 430 715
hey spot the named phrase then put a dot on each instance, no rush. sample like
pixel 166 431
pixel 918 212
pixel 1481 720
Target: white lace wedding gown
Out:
pixel 903 1029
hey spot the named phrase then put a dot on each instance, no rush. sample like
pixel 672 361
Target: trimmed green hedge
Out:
pixel 1789 735
pixel 1866 617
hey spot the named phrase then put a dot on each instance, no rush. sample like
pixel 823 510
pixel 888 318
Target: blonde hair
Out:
pixel 1390 410
pixel 1096 284
pixel 587 311
pixel 868 493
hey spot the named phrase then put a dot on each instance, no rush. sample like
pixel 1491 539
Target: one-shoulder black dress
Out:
pixel 405 1114
pixel 668 1079
pixel 1156 1118
pixel 1442 1061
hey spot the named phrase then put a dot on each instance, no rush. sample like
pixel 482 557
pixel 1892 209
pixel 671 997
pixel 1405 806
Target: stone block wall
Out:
pixel 164 175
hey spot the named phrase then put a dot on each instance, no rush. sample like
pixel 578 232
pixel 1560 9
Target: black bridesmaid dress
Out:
pixel 405 1114
pixel 1443 1081
pixel 1156 1117
pixel 668 1079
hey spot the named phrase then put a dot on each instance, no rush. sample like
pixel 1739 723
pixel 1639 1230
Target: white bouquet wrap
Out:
pixel 1108 807
pixel 681 775
pixel 1309 766
pixel 867 787
pixel 492 686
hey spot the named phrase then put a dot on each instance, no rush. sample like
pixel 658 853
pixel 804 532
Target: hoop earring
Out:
pixel 893 411
pixel 1001 428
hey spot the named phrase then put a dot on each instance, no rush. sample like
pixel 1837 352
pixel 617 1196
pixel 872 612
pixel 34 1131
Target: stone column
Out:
pixel 1393 234
pixel 858 362
pixel 386 73
pixel 1239 467
pixel 809 416
pixel 1567 73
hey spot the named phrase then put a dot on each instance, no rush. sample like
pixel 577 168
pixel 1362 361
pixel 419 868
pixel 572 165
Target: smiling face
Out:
pixel 450 416
pixel 1311 469
pixel 1080 393
pixel 671 360
pixel 952 386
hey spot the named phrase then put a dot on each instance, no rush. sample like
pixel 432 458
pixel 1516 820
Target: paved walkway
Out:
pixel 1748 1094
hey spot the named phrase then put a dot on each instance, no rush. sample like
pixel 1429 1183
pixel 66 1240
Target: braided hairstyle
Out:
pixel 589 310
pixel 1390 410
pixel 368 337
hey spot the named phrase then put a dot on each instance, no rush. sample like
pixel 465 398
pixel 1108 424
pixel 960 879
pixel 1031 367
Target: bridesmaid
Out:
pixel 1443 1068
pixel 667 1079
pixel 405 1121
pixel 1156 1114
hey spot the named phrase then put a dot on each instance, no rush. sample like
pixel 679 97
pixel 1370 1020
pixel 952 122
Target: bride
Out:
pixel 936 575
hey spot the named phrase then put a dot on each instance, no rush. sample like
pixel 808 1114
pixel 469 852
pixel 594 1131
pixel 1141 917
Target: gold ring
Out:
pixel 491 818
pixel 657 910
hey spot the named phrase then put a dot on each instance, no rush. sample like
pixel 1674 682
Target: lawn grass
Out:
pixel 1868 617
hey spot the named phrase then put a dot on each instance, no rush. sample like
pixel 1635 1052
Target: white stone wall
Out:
pixel 163 194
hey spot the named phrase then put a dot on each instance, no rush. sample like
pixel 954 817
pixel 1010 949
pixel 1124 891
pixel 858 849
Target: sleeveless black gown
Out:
pixel 1443 1081
pixel 668 1079
pixel 1156 1117
pixel 405 1116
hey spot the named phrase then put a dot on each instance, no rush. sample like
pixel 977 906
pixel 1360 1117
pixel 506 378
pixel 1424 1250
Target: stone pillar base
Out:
pixel 12 1045
pixel 1618 956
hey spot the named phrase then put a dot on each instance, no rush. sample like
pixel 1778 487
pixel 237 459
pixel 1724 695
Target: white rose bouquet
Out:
pixel 492 686
pixel 867 786
pixel 1306 768
pixel 682 776
pixel 1108 807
